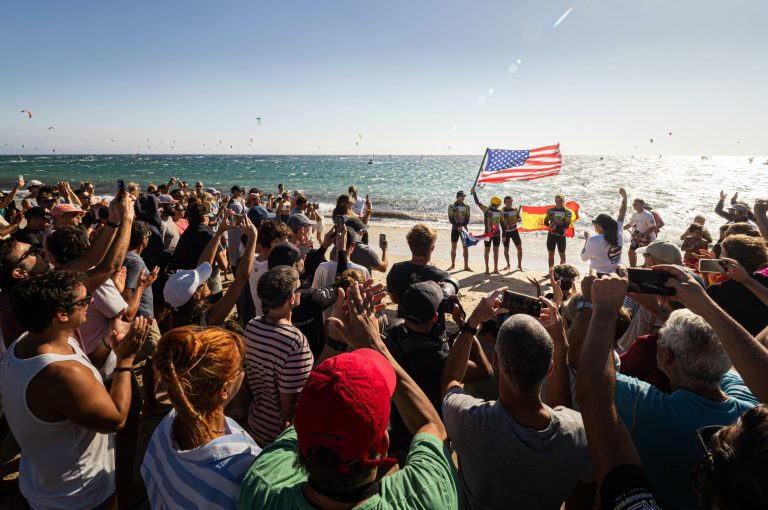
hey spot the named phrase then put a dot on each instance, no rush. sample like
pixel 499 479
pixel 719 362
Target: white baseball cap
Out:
pixel 182 285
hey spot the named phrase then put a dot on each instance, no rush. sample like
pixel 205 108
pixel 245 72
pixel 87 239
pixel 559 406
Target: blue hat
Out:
pixel 259 213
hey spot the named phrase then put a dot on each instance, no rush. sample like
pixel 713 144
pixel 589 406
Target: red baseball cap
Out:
pixel 344 406
pixel 60 209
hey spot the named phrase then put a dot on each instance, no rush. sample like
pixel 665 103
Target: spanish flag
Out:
pixel 533 217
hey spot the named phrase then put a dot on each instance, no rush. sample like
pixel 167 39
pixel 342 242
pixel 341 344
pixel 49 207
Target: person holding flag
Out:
pixel 557 219
pixel 510 217
pixel 458 216
pixel 492 219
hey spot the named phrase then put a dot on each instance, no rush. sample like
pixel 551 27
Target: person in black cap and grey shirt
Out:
pixel 412 344
pixel 458 216
pixel 38 222
pixel 364 255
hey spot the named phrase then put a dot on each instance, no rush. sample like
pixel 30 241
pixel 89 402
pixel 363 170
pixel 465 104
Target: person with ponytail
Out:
pixel 197 456
pixel 603 251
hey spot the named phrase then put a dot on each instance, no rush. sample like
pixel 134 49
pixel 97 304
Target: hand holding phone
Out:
pixel 383 241
pixel 517 303
pixel 120 187
pixel 713 266
pixel 646 281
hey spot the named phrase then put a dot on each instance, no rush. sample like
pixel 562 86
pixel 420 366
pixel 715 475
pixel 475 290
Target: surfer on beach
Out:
pixel 558 219
pixel 510 217
pixel 458 216
pixel 492 217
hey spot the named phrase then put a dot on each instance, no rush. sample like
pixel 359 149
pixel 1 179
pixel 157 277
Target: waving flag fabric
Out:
pixel 533 217
pixel 468 239
pixel 521 165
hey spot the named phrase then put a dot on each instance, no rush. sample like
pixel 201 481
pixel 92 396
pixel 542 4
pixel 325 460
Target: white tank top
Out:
pixel 63 465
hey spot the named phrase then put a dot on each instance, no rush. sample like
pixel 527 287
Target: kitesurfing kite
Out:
pixel 651 140
pixel 51 127
pixel 258 121
pixel 670 133
pixel 29 114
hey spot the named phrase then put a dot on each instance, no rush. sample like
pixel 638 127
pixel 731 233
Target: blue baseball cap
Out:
pixel 259 213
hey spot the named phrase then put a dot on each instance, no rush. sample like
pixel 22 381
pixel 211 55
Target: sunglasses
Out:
pixel 33 250
pixel 705 436
pixel 85 301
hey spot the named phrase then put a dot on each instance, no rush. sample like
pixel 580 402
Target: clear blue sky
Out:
pixel 410 76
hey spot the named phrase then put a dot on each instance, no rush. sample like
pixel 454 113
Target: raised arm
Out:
pixel 97 250
pixel 360 329
pixel 749 357
pixel 760 210
pixel 610 443
pixel 218 312
pixel 6 201
pixel 557 391
pixel 477 200
pixel 719 207
pixel 623 206
pixel 211 249
pixel 455 366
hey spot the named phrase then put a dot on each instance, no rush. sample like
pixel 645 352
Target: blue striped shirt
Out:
pixel 206 477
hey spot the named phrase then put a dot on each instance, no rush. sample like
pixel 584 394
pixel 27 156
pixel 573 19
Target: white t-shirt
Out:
pixel 602 256
pixel 644 222
pixel 325 276
pixel 107 304
pixel 259 268
pixel 358 206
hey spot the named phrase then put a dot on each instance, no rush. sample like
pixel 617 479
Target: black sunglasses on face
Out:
pixel 33 250
pixel 82 302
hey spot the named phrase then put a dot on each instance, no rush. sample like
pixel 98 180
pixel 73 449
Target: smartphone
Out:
pixel 518 303
pixel 646 281
pixel 238 220
pixel 713 266
pixel 339 223
pixel 382 238
pixel 120 187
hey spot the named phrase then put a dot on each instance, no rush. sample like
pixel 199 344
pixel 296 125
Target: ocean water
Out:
pixel 407 189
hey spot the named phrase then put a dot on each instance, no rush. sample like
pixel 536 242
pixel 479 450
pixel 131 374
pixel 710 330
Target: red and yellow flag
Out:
pixel 533 217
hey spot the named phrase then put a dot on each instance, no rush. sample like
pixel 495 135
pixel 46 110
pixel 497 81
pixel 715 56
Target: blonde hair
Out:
pixel 421 239
pixel 195 363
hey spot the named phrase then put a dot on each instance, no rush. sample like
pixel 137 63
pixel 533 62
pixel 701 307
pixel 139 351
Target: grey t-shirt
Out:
pixel 506 465
pixel 170 234
pixel 363 255
pixel 134 264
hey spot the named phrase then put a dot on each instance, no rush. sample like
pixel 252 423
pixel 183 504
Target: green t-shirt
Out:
pixel 427 481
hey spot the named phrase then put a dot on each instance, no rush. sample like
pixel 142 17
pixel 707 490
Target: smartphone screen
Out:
pixel 382 238
pixel 646 281
pixel 519 303
pixel 120 187
pixel 713 266
pixel 339 221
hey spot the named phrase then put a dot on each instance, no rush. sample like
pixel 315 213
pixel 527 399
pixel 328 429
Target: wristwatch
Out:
pixel 337 346
pixel 466 328
pixel 581 305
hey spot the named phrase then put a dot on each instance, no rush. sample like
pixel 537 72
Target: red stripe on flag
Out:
pixel 519 177
pixel 547 148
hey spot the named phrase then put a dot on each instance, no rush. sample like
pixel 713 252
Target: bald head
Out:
pixel 524 352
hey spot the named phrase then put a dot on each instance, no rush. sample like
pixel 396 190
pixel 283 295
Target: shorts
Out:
pixel 455 235
pixel 150 344
pixel 514 235
pixel 496 240
pixel 634 244
pixel 555 240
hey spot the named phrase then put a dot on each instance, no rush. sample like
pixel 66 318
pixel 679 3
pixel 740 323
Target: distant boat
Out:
pixel 370 161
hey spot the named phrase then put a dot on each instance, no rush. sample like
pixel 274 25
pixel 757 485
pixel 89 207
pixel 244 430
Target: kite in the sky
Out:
pixel 561 18
pixel 29 114
pixel 651 140
pixel 258 121
pixel 51 127
pixel 670 133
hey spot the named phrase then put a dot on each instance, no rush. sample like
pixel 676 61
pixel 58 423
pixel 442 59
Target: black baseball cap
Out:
pixel 37 212
pixel 461 194
pixel 420 302
pixel 284 254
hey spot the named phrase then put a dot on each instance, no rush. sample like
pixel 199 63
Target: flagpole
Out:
pixel 480 170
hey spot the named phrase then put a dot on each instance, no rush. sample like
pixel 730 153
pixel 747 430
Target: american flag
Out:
pixel 521 165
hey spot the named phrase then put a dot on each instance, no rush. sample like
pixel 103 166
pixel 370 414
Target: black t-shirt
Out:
pixel 626 488
pixel 31 237
pixel 739 302
pixel 422 357
pixel 404 274
pixel 191 244
pixel 308 315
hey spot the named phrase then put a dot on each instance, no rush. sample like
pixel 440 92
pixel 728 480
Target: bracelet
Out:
pixel 113 225
pixel 466 328
pixel 581 305
pixel 123 369
pixel 336 346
